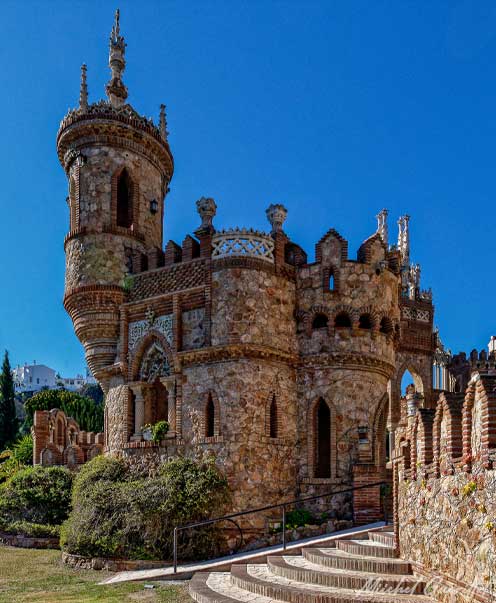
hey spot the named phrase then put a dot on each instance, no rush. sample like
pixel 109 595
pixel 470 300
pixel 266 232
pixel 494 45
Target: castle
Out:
pixel 288 371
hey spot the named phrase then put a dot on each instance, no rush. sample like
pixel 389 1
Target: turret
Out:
pixel 118 166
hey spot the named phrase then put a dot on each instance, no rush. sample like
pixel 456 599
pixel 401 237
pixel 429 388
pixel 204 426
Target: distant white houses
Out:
pixel 35 377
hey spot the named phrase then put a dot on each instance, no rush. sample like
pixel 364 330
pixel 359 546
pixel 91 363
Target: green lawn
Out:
pixel 39 576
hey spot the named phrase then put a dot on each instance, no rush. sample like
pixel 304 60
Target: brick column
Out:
pixel 367 506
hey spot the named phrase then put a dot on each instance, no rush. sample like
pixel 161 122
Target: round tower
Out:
pixel 118 166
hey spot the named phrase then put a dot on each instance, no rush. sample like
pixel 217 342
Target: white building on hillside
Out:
pixel 33 378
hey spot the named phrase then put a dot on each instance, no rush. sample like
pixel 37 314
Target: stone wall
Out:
pixel 446 499
pixel 253 306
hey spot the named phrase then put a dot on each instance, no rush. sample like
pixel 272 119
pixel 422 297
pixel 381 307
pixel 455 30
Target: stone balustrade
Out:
pixel 243 243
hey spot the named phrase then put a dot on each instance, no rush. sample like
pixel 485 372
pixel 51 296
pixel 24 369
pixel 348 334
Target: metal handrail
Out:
pixel 281 506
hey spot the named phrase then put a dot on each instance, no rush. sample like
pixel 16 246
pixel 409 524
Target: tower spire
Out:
pixel 83 90
pixel 116 91
pixel 382 226
pixel 163 123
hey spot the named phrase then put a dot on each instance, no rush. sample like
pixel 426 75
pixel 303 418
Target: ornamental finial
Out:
pixel 116 91
pixel 163 123
pixel 83 90
pixel 382 226
pixel 276 215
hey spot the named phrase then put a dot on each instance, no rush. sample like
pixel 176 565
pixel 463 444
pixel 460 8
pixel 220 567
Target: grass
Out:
pixel 30 576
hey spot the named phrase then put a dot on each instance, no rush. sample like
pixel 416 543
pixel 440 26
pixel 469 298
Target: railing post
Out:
pixel 175 550
pixel 283 527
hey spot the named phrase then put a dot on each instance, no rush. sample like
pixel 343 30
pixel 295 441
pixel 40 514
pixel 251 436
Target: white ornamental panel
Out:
pixel 141 328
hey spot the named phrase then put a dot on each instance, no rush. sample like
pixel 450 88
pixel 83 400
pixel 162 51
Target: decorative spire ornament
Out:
pixel 163 123
pixel 83 90
pixel 116 91
pixel 382 226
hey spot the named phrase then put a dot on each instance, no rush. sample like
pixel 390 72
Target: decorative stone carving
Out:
pixel 243 243
pixel 140 328
pixel 276 214
pixel 154 364
pixel 207 209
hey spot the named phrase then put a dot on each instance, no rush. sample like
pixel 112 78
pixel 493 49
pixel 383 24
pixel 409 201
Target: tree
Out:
pixel 93 391
pixel 82 409
pixel 8 419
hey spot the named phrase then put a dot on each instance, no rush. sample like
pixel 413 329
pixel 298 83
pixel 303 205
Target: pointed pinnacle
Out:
pixel 83 90
pixel 163 123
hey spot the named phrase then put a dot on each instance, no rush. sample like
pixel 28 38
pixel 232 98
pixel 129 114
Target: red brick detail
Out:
pixel 191 248
pixel 367 503
pixel 173 253
pixel 448 414
pixel 332 234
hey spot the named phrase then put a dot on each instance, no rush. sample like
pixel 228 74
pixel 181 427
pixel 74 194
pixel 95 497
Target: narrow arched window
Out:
pixel 124 200
pixel 332 282
pixel 210 418
pixel 319 321
pixel 342 320
pixel 273 418
pixel 323 440
pixel 365 322
pixel 386 325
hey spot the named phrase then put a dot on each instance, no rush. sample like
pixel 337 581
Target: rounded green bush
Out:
pixel 119 513
pixel 37 495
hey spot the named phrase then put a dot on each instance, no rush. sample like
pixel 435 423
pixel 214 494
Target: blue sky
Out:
pixel 335 109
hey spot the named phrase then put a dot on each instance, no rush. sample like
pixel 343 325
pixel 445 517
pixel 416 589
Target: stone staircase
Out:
pixel 366 571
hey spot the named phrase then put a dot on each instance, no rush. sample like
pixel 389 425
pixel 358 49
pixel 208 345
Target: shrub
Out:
pixel 34 530
pixel 37 495
pixel 18 457
pixel 118 512
pixel 85 411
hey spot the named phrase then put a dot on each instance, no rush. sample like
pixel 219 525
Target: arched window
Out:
pixel 342 320
pixel 386 325
pixel 210 418
pixel 161 401
pixel 320 321
pixel 273 418
pixel 323 440
pixel 124 200
pixel 332 281
pixel 365 321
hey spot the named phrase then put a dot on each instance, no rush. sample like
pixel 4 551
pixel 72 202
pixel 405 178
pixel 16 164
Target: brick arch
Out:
pixel 274 395
pixel 133 192
pixel 379 431
pixel 211 396
pixel 449 413
pixel 58 422
pixel 369 311
pixel 345 309
pixel 422 437
pixel 315 311
pixel 144 345
pixel 312 436
pixel 481 390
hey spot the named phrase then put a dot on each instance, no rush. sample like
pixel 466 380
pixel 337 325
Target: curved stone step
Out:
pixel 366 548
pixel 386 538
pixel 299 569
pixel 258 580
pixel 216 587
pixel 336 558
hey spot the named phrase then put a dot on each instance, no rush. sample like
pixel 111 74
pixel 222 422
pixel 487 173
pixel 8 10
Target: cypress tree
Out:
pixel 8 420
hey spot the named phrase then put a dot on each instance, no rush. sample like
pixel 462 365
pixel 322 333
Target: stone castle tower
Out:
pixel 288 371
pixel 112 219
